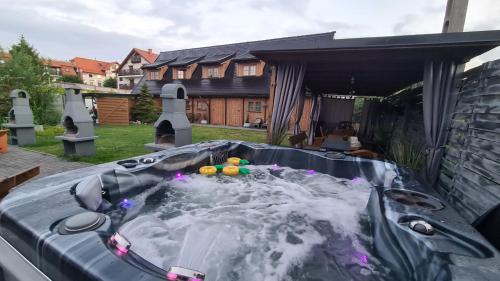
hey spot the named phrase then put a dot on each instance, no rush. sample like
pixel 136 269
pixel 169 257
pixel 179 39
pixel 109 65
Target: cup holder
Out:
pixel 131 163
pixel 414 199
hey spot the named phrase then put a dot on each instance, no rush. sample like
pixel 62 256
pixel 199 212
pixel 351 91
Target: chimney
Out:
pixel 150 51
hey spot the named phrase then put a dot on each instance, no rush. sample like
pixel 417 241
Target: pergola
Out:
pixel 376 66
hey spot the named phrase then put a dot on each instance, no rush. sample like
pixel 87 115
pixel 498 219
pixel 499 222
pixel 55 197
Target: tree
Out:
pixel 110 82
pixel 145 109
pixel 25 70
pixel 72 79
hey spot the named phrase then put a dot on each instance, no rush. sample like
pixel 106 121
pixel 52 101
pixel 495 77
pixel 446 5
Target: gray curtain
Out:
pixel 334 111
pixel 438 100
pixel 289 78
pixel 369 117
pixel 300 109
pixel 315 111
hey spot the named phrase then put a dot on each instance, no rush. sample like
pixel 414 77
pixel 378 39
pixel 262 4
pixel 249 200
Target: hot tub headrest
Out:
pixel 89 192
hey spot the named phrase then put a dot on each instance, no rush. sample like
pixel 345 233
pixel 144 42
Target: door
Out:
pixel 234 112
pixel 217 111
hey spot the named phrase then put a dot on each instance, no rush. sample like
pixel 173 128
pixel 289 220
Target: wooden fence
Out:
pixel 470 171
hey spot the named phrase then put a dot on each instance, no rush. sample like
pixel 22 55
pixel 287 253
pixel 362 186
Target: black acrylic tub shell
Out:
pixel 30 216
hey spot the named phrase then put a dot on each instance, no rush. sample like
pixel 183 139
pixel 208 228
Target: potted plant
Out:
pixel 247 122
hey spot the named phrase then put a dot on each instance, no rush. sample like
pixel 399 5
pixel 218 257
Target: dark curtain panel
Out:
pixel 369 118
pixel 438 100
pixel 315 111
pixel 300 109
pixel 289 78
pixel 334 111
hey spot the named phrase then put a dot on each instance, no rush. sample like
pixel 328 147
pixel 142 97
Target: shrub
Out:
pixel 72 79
pixel 110 82
pixel 408 154
pixel 145 109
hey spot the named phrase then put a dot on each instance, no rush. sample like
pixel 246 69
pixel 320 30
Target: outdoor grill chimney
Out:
pixel 172 127
pixel 22 129
pixel 150 51
pixel 78 135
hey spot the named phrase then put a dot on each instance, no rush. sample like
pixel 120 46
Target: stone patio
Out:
pixel 19 159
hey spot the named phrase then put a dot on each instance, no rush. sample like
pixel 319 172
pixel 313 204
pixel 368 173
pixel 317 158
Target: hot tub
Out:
pixel 298 215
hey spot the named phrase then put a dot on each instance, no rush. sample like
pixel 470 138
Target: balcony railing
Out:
pixel 125 72
pixel 125 87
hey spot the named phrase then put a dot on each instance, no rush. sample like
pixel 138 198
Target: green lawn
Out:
pixel 119 142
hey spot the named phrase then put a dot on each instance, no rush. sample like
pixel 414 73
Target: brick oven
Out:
pixel 78 137
pixel 21 127
pixel 172 129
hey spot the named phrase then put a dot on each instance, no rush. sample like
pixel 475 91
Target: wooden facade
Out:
pixel 114 110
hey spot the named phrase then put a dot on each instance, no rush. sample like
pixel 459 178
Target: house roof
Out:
pixel 185 61
pixel 66 66
pixel 239 50
pixel 150 57
pixel 91 65
pixel 216 58
pixel 380 66
pixel 6 56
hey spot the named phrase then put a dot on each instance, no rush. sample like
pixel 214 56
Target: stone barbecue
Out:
pixel 21 127
pixel 78 138
pixel 172 127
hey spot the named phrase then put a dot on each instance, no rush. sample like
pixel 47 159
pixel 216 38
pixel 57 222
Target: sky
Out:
pixel 109 29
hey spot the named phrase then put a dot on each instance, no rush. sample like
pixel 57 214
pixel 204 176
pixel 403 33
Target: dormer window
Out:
pixel 250 70
pixel 213 72
pixel 181 73
pixel 153 75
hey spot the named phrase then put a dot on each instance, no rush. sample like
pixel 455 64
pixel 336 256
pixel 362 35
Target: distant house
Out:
pixel 5 57
pixel 58 68
pixel 94 72
pixel 130 70
pixel 226 84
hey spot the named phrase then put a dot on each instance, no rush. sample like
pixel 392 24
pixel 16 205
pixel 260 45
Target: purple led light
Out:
pixel 363 259
pixel 357 180
pixel 180 176
pixel 195 279
pixel 311 172
pixel 126 203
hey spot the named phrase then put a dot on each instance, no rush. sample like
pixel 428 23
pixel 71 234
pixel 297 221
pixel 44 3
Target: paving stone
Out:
pixel 19 159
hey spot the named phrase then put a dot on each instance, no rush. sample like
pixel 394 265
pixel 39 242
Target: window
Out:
pixel 181 74
pixel 213 72
pixel 202 105
pixel 188 105
pixel 249 70
pixel 90 75
pixel 121 79
pixel 254 106
pixel 136 58
pixel 154 75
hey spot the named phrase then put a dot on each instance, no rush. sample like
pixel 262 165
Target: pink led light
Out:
pixel 122 249
pixel 195 279
pixel 171 276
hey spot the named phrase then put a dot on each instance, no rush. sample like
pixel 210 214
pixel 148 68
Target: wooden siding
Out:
pixel 218 111
pixel 252 116
pixel 470 169
pixel 234 112
pixel 259 70
pixel 113 110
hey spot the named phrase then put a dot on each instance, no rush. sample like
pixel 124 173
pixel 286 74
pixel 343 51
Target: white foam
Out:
pixel 253 227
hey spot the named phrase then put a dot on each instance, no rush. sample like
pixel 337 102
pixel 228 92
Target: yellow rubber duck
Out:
pixel 233 161
pixel 208 170
pixel 231 171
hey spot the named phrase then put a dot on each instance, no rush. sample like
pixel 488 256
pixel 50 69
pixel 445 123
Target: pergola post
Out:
pixel 270 104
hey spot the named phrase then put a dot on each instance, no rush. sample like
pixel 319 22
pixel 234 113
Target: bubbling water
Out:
pixel 274 224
